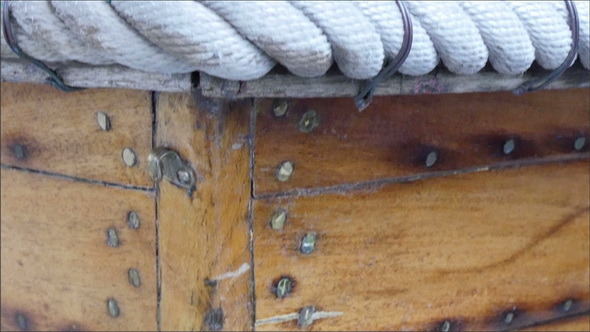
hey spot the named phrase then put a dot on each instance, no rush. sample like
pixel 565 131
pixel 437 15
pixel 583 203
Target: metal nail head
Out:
pixel 445 326
pixel 567 305
pixel 509 146
pixel 133 220
pixel 278 218
pixel 285 171
pixel 284 287
pixel 280 108
pixel 22 321
pixel 104 121
pixel 431 159
pixel 509 317
pixel 112 238
pixel 309 121
pixel 134 278
pixel 308 243
pixel 306 316
pixel 580 143
pixel 113 307
pixel 129 157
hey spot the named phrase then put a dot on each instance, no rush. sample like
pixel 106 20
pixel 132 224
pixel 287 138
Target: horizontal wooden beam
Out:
pixel 281 84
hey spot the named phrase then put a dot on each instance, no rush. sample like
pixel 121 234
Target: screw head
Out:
pixel 285 171
pixel 284 287
pixel 509 146
pixel 308 243
pixel 431 159
pixel 306 316
pixel 129 157
pixel 277 219
pixel 113 307
pixel 580 143
pixel 104 121
pixel 280 108
pixel 309 121
pixel 112 238
pixel 134 278
pixel 133 220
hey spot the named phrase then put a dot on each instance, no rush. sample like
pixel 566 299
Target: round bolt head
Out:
pixel 431 159
pixel 580 143
pixel 309 121
pixel 306 316
pixel 104 121
pixel 133 220
pixel 133 276
pixel 509 147
pixel 113 307
pixel 284 287
pixel 308 243
pixel 280 108
pixel 278 218
pixel 129 157
pixel 285 171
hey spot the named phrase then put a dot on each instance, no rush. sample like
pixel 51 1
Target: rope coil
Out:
pixel 245 40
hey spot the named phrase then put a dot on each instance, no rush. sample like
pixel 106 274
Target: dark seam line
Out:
pixel 422 176
pixel 76 179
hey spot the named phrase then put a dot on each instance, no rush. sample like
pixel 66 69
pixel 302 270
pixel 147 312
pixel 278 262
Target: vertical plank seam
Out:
pixel 154 100
pixel 251 139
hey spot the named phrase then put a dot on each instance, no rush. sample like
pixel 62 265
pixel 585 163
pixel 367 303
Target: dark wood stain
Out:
pixel 214 319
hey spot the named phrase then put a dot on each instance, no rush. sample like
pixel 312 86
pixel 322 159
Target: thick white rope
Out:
pixel 244 40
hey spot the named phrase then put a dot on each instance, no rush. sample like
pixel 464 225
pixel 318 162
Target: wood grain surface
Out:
pixel 574 324
pixel 53 131
pixel 204 240
pixel 468 249
pixel 58 271
pixel 393 137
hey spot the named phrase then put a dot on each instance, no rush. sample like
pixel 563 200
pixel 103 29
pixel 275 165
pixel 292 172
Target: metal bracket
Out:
pixel 166 164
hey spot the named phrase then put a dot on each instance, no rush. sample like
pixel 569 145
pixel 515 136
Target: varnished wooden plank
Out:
pixel 575 324
pixel 58 271
pixel 393 137
pixel 53 131
pixel 204 240
pixel 467 249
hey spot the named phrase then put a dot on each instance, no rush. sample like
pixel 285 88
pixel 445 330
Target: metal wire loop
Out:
pixel 367 89
pixel 54 78
pixel 540 83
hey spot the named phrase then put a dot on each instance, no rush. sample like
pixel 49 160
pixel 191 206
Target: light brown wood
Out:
pixel 204 241
pixel 580 323
pixel 468 249
pixel 391 139
pixel 57 269
pixel 58 132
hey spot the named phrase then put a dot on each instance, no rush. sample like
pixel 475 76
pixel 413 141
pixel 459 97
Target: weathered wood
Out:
pixel 579 323
pixel 334 84
pixel 58 270
pixel 393 138
pixel 468 249
pixel 53 131
pixel 85 76
pixel 204 240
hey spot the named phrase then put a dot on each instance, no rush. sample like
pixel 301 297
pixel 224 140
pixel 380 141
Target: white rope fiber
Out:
pixel 244 40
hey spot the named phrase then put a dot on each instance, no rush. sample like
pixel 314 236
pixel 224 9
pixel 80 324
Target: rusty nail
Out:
pixel 309 121
pixel 306 316
pixel 129 157
pixel 285 171
pixel 22 321
pixel 284 287
pixel 580 143
pixel 133 276
pixel 104 121
pixel 280 108
pixel 431 159
pixel 278 218
pixel 308 243
pixel 113 307
pixel 112 238
pixel 509 146
pixel 133 220
pixel 567 305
